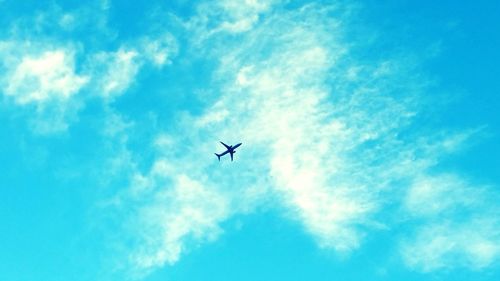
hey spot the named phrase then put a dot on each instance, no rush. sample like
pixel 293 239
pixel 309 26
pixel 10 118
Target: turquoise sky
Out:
pixel 370 134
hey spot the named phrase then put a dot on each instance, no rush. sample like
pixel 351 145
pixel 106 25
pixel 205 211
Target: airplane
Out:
pixel 230 150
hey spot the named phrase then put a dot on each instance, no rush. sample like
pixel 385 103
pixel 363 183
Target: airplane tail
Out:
pixel 218 156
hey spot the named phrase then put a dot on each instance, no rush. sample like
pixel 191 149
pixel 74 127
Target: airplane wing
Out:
pixel 224 153
pixel 227 146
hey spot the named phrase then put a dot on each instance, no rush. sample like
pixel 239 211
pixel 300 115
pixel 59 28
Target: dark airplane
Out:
pixel 230 150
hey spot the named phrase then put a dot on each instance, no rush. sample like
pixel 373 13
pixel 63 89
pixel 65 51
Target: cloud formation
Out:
pixel 331 140
pixel 329 135
pixel 48 76
pixel 461 225
pixel 43 79
pixel 52 80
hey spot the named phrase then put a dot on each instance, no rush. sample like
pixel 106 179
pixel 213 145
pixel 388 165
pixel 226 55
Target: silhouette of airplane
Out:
pixel 230 150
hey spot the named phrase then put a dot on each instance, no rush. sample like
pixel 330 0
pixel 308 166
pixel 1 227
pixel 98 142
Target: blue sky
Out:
pixel 370 139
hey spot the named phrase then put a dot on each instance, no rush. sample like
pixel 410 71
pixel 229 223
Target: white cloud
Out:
pixel 50 75
pixel 160 50
pixel 326 135
pixel 473 244
pixel 300 149
pixel 461 226
pixel 50 78
pixel 114 72
pixel 228 17
pixel 430 196
pixel 180 211
pixel 44 80
pixel 243 15
pixel 45 77
pixel 315 148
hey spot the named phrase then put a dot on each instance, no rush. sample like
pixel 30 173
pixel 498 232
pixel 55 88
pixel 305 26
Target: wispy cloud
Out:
pixel 113 72
pixel 331 139
pixel 460 225
pixel 51 75
pixel 159 49
pixel 43 75
pixel 180 211
pixel 449 244
pixel 329 136
pixel 43 79
pixel 52 79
